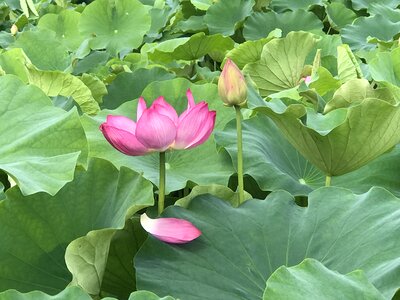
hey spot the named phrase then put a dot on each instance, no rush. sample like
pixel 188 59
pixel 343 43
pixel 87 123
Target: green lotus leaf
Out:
pixel 339 15
pixel 52 83
pixel 97 87
pixel 347 65
pixel 352 137
pixel 128 86
pixel 115 25
pixel 41 144
pixel 71 292
pixel 55 83
pixel 119 276
pixel 193 24
pixel 211 166
pixel 250 51
pixel 282 5
pixel 276 165
pixel 36 43
pixel 362 4
pixel 386 67
pixel 65 25
pixel 92 63
pixel 379 8
pixel 14 62
pixel 192 48
pixel 351 93
pixel 223 16
pixel 324 82
pixel 202 4
pixel 41 226
pixel 159 18
pixel 281 64
pixel 240 248
pixel 260 24
pixel 356 35
pixel 312 280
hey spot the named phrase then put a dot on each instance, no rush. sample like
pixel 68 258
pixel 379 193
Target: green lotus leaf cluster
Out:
pixel 339 123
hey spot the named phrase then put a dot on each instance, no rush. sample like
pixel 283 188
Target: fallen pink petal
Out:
pixel 170 230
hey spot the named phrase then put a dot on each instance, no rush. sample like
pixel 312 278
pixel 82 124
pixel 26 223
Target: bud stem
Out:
pixel 161 189
pixel 239 153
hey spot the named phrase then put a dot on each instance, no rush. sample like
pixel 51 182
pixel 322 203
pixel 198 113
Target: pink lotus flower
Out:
pixel 158 128
pixel 170 230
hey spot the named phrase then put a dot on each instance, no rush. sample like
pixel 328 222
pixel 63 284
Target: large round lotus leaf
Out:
pixel 36 43
pixel 35 230
pixel 223 16
pixel 241 247
pixel 276 165
pixel 312 280
pixel 115 25
pixel 210 166
pixel 281 63
pixel 356 35
pixel 342 140
pixel 260 24
pixel 339 15
pixel 69 293
pixel 40 144
pixel 66 26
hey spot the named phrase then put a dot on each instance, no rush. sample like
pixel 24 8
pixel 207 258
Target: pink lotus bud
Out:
pixel 307 80
pixel 231 85
pixel 158 128
pixel 170 230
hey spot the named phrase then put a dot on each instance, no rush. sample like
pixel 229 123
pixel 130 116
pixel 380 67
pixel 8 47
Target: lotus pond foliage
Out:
pixel 262 162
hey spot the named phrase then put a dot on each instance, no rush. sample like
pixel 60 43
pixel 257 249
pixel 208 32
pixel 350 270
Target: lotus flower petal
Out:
pixel 155 131
pixel 164 108
pixel 140 108
pixel 195 126
pixel 120 133
pixel 170 230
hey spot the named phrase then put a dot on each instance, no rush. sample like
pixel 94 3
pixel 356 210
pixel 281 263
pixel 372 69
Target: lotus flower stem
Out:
pixel 239 153
pixel 328 180
pixel 161 189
